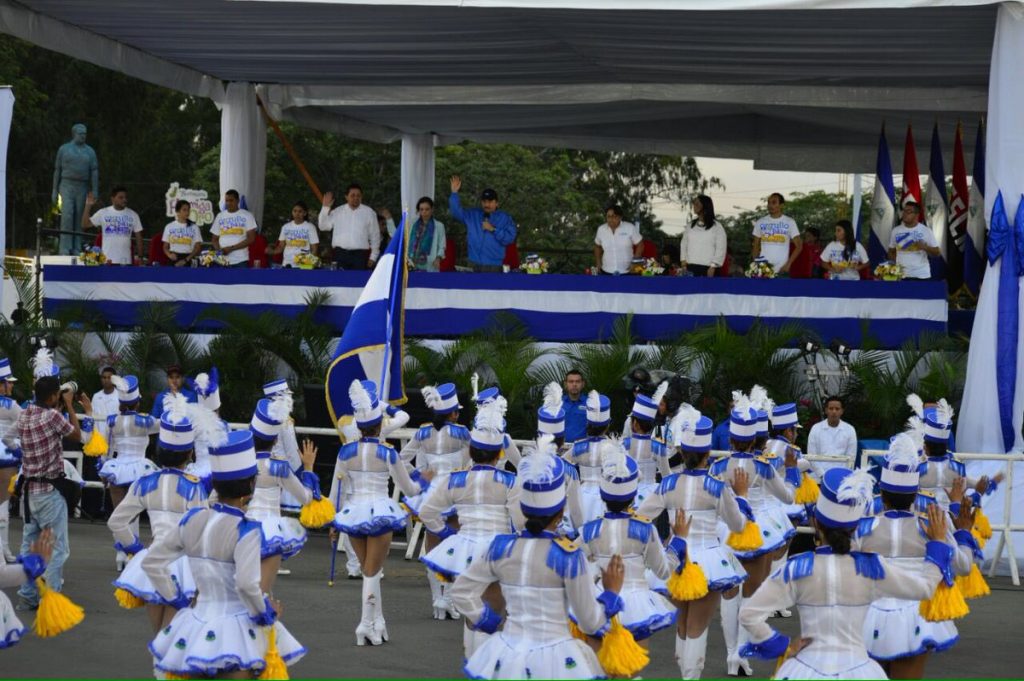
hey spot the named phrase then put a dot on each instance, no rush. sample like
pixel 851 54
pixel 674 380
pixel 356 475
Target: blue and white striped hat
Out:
pixel 486 395
pixel 785 416
pixel 127 389
pixel 177 432
pixel 938 422
pixel 442 399
pixel 489 426
pixel 619 473
pixel 365 406
pixel 742 419
pixel 900 473
pixel 844 496
pixel 599 409
pixel 551 415
pixel 5 370
pixel 690 430
pixel 268 418
pixel 275 386
pixel 235 459
pixel 207 387
pixel 543 476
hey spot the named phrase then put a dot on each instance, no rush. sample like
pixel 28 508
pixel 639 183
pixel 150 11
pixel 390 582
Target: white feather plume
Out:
pixel 360 398
pixel 119 383
pixel 42 363
pixel 915 430
pixel 202 382
pixel 944 410
pixel 737 395
pixel 659 393
pixel 474 382
pixel 859 486
pixel 916 404
pixel 902 451
pixel 552 397
pixel 539 465
pixel 281 406
pixel 740 402
pixel 175 407
pixel 759 399
pixel 491 415
pixel 207 426
pixel 686 419
pixel 613 459
pixel 431 397
pixel 593 401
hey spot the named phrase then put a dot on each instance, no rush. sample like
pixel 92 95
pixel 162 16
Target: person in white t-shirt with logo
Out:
pixel 772 235
pixel 182 239
pixel 118 224
pixel 832 437
pixel 233 230
pixel 845 257
pixel 105 401
pixel 616 243
pixel 297 236
pixel 911 243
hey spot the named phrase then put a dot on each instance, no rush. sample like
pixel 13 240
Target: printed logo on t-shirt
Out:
pixel 904 240
pixel 232 224
pixel 115 224
pixel 774 232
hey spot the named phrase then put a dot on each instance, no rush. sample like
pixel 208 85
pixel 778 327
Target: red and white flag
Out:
pixel 911 176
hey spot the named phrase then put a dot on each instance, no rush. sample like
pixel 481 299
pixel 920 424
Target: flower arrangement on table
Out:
pixel 93 256
pixel 534 264
pixel 761 269
pixel 307 261
pixel 209 258
pixel 889 271
pixel 650 267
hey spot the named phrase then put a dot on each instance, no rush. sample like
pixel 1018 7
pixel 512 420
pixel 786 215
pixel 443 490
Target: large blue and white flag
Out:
pixel 974 248
pixel 371 345
pixel 936 205
pixel 883 204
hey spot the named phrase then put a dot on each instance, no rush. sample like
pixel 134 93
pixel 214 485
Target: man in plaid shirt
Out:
pixel 41 429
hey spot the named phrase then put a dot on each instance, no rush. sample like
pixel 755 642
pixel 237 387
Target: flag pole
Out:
pixel 382 389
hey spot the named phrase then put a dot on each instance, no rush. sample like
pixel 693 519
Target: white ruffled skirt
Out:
pixel 134 580
pixel 454 555
pixel 207 646
pixel 803 666
pixel 282 536
pixel 370 517
pixel 645 612
pixel 720 566
pixel 502 657
pixel 776 530
pixel 11 628
pixel 894 628
pixel 124 471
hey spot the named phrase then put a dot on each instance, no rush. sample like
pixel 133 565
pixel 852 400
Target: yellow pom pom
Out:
pixel 981 524
pixel 748 540
pixel 442 578
pixel 807 492
pixel 56 613
pixel 317 513
pixel 947 604
pixel 97 444
pixel 688 585
pixel 276 668
pixel 576 632
pixel 620 655
pixel 973 585
pixel 176 677
pixel 12 484
pixel 128 600
pixel 978 537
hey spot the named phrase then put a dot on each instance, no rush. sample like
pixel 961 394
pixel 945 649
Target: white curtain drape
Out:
pixel 6 112
pixel 417 171
pixel 243 147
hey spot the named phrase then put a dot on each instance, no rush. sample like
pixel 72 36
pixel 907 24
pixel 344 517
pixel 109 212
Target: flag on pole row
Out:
pixel 974 244
pixel 957 216
pixel 371 345
pixel 883 202
pixel 936 206
pixel 911 176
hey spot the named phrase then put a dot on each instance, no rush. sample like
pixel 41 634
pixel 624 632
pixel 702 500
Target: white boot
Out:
pixel 351 559
pixel 365 631
pixel 692 663
pixel 742 639
pixel 5 531
pixel 380 628
pixel 681 654
pixel 446 600
pixel 730 631
pixel 436 595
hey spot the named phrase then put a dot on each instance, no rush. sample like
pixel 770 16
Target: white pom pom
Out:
pixel 552 397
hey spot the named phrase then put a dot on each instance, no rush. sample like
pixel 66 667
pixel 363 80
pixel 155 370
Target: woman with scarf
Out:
pixel 426 238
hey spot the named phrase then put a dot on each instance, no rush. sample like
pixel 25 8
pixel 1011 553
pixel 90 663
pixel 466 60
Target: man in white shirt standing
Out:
pixel 356 238
pixel 118 224
pixel 772 235
pixel 910 244
pixel 105 402
pixel 233 230
pixel 616 243
pixel 832 437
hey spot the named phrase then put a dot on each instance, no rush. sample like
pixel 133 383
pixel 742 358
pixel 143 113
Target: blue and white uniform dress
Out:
pixel 649 451
pixel 282 535
pixel 438 451
pixel 894 628
pixel 635 539
pixel 28 567
pixel 508 446
pixel 207 389
pixel 833 593
pixel 128 437
pixel 227 628
pixel 542 576
pixel 587 458
pixel 775 451
pixel 368 510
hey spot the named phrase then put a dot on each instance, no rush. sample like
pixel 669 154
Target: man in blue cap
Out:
pixel 488 230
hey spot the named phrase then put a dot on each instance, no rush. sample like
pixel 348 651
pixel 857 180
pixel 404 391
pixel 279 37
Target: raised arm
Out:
pixel 120 521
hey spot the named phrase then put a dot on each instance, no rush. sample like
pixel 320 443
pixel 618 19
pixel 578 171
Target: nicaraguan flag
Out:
pixel 371 345
pixel 883 204
pixel 974 248
pixel 936 205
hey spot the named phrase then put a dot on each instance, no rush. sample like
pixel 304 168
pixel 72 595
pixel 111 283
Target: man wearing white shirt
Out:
pixel 832 437
pixel 118 224
pixel 234 230
pixel 105 402
pixel 356 238
pixel 910 244
pixel 772 235
pixel 616 243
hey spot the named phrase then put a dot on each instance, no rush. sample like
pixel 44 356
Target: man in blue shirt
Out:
pixel 720 436
pixel 574 402
pixel 175 379
pixel 488 229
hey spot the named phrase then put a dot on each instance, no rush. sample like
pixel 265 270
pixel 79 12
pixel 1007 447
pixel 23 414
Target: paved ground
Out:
pixel 111 643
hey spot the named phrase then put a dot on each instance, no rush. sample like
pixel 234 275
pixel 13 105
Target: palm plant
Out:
pixel 454 362
pixel 510 361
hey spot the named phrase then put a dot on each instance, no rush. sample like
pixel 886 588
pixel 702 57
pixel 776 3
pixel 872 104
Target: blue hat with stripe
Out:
pixel 235 459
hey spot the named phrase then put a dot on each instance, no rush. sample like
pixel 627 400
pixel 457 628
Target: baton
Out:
pixel 334 544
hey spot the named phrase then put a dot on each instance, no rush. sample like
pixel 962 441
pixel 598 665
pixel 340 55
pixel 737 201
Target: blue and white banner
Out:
pixel 554 307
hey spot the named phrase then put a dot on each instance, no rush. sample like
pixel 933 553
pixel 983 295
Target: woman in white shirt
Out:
pixel 845 257
pixel 297 236
pixel 182 239
pixel 702 249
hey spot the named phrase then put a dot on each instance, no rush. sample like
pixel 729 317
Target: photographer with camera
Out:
pixel 42 428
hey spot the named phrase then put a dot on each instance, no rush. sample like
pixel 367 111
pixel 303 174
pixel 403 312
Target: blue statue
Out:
pixel 76 172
